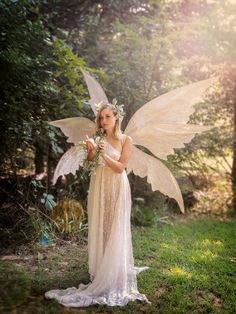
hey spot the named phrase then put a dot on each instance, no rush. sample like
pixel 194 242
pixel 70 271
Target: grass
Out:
pixel 192 270
pixel 190 266
pixel 17 282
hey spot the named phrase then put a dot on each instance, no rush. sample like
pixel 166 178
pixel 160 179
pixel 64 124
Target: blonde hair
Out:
pixel 117 134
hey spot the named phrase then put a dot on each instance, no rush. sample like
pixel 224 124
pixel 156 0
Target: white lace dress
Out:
pixel 112 272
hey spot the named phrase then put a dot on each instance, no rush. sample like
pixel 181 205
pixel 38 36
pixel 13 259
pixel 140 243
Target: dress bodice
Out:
pixel 111 151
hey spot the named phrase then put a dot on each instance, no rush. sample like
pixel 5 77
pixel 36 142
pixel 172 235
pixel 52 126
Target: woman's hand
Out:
pixel 102 146
pixel 90 144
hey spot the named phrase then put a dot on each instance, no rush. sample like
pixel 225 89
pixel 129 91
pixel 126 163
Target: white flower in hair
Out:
pixel 118 108
pixel 113 104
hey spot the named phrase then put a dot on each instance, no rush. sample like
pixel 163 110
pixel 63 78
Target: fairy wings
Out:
pixel 160 125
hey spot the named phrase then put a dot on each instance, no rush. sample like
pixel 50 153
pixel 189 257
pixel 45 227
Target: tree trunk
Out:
pixel 48 168
pixel 39 158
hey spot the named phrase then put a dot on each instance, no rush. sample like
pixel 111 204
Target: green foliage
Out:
pixel 40 81
pixel 25 63
pixel 48 201
pixel 142 215
pixel 68 74
pixel 52 134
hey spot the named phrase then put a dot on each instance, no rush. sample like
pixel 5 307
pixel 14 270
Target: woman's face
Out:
pixel 107 119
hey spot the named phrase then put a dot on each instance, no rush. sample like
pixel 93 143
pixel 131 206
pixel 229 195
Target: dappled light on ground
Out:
pixel 177 271
pixel 191 263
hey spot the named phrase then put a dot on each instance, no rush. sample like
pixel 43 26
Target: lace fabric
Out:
pixel 112 272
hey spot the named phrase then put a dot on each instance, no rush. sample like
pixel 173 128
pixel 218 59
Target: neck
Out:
pixel 109 133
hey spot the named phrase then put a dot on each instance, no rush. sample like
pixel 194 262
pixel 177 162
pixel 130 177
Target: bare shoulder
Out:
pixel 127 149
pixel 128 140
pixel 128 143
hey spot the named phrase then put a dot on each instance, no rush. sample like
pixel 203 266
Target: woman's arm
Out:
pixel 120 165
pixel 91 147
pixel 91 154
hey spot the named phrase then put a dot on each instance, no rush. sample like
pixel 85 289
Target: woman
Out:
pixel 111 263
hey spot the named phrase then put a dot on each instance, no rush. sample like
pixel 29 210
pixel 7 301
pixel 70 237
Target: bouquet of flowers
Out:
pixel 90 165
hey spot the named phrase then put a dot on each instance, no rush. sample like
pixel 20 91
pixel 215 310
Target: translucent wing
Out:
pixel 161 124
pixel 161 139
pixel 75 128
pixel 96 92
pixel 158 175
pixel 70 162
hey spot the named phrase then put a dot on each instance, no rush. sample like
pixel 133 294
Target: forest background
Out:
pixel 137 50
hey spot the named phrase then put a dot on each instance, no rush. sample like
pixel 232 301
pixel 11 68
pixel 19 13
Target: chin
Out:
pixel 107 128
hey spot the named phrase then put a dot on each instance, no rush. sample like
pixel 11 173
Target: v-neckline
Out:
pixel 113 147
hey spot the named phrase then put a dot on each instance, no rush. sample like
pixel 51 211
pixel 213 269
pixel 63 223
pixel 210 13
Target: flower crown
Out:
pixel 113 105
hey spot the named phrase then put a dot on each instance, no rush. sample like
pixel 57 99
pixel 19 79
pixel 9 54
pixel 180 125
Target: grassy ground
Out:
pixel 192 270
